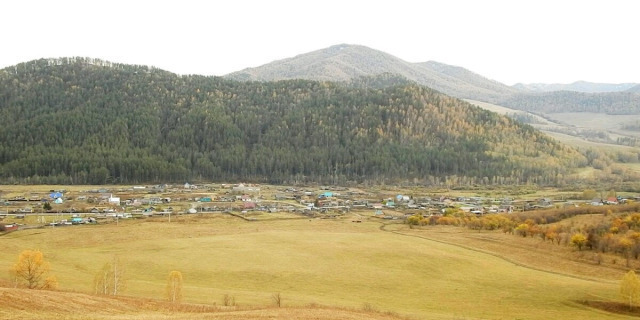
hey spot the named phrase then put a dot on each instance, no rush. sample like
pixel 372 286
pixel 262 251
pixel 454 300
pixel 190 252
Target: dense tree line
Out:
pixel 79 120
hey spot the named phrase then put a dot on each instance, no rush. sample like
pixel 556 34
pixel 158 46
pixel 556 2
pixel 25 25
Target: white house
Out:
pixel 114 200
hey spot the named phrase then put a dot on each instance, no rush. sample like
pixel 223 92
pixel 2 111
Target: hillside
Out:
pixel 578 86
pixel 38 304
pixel 78 121
pixel 569 101
pixel 344 62
pixel 376 264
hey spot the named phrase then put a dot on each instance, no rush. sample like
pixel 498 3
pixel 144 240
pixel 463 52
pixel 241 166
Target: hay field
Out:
pixel 311 261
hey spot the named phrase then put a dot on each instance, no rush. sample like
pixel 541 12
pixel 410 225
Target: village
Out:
pixel 59 207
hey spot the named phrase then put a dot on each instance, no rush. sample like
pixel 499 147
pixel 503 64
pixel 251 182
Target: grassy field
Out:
pixel 577 120
pixel 597 121
pixel 313 261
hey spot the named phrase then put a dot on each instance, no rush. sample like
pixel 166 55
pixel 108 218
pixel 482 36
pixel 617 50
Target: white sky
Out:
pixel 557 41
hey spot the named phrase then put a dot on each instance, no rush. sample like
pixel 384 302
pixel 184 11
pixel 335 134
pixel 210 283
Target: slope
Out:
pixel 37 304
pixel 344 62
pixel 323 261
pixel 78 121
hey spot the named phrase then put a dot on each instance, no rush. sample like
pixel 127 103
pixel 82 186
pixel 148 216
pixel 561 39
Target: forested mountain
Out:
pixel 344 62
pixel 80 121
pixel 578 86
pixel 570 101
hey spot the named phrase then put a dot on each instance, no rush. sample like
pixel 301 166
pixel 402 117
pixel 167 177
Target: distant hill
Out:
pixel 578 86
pixel 347 62
pixel 344 62
pixel 569 101
pixel 85 121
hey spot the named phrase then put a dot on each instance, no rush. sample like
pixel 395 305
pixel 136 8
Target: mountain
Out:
pixel 347 62
pixel 624 102
pixel 635 89
pixel 344 62
pixel 86 121
pixel 578 86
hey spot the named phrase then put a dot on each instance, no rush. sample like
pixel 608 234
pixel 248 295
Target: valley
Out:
pixel 328 265
pixel 372 191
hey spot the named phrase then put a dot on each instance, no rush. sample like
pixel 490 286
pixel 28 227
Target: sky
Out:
pixel 522 41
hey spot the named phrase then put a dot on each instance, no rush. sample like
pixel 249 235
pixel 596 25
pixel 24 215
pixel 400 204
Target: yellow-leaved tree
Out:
pixel 32 270
pixel 110 280
pixel 174 286
pixel 578 240
pixel 630 288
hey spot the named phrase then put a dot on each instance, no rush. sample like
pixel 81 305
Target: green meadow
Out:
pixel 310 261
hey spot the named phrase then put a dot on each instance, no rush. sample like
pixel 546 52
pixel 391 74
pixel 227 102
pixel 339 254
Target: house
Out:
pixel 248 205
pixel 327 194
pixel 611 200
pixel 241 188
pixel 506 208
pixel 114 200
pixel 25 210
pixel 55 195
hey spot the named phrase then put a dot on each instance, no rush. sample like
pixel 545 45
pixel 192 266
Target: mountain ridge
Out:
pixel 577 86
pixel 343 62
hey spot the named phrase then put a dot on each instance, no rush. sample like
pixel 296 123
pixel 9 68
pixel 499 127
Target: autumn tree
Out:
pixel 578 240
pixel 50 283
pixel 174 286
pixel 522 229
pixel 624 245
pixel 415 219
pixel 32 270
pixel 110 280
pixel 630 288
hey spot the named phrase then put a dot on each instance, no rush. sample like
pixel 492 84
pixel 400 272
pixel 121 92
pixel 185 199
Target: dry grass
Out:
pixel 529 252
pixel 35 304
pixel 326 262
